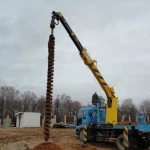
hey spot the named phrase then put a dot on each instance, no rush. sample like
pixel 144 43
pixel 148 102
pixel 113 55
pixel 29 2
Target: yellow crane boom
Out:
pixel 111 105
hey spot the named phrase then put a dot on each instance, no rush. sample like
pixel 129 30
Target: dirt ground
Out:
pixel 28 138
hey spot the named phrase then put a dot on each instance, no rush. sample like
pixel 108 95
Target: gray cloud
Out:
pixel 116 34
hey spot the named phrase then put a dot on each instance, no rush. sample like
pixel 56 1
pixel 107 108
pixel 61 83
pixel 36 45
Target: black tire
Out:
pixel 81 135
pixel 143 144
pixel 119 142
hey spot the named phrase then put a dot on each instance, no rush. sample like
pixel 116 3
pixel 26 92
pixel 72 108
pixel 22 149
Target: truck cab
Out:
pixel 90 116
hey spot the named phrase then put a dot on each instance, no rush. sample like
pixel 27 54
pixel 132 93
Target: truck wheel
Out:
pixel 119 142
pixel 143 145
pixel 81 135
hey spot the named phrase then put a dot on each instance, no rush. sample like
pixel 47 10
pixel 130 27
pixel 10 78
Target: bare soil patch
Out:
pixel 33 139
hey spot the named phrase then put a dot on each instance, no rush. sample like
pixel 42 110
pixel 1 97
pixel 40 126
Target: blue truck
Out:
pixel 101 122
pixel 97 130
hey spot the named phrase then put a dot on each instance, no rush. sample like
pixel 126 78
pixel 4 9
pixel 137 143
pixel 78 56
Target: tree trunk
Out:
pixel 2 116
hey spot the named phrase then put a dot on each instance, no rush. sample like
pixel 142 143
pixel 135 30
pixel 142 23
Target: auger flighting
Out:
pixel 49 92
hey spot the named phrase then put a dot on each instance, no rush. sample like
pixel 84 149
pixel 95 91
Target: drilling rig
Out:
pixel 101 123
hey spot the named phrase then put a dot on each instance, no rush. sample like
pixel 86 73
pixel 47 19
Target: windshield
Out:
pixel 79 118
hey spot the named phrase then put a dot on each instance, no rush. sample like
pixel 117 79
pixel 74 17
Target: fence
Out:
pixel 129 119
pixel 53 120
pixel 65 119
pixel 126 120
pixel 71 120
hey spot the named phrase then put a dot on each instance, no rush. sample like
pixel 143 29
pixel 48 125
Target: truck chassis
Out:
pixel 136 135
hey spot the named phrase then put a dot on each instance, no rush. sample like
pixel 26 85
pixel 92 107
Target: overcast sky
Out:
pixel 115 33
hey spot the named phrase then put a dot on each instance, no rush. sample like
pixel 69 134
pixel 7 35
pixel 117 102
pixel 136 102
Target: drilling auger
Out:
pixel 49 92
pixel 50 72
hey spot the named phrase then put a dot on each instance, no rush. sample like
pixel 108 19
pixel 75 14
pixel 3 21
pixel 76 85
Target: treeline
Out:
pixel 64 105
pixel 12 101
pixel 129 107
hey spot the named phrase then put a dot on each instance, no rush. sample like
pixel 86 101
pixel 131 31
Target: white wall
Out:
pixel 29 119
pixel 22 120
pixel 17 124
pixel 6 123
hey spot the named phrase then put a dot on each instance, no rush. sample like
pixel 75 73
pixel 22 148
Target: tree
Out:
pixel 19 104
pixel 66 104
pixel 57 105
pixel 128 108
pixel 2 102
pixel 76 105
pixel 41 105
pixel 145 106
pixel 29 101
pixel 65 107
pixel 119 113
pixel 8 100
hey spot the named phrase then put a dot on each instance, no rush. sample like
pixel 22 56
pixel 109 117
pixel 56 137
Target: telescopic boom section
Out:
pixel 111 106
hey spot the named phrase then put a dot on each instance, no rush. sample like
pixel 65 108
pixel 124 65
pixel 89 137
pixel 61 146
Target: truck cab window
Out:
pixel 100 113
pixel 84 115
pixel 79 118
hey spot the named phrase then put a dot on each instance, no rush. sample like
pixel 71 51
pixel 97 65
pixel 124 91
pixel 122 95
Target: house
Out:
pixel 27 119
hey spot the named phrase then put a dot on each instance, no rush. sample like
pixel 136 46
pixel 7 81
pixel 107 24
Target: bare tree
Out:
pixel 128 108
pixel 8 100
pixel 57 105
pixel 19 104
pixel 145 106
pixel 66 104
pixel 76 105
pixel 11 101
pixel 2 102
pixel 41 105
pixel 29 101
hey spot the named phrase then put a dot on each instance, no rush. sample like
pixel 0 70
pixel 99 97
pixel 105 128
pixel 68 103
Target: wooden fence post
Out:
pixel 147 119
pixel 64 119
pixel 122 118
pixel 129 118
